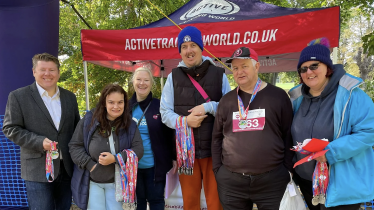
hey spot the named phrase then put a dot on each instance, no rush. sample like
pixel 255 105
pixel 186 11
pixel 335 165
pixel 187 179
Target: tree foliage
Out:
pixel 99 14
pixel 125 14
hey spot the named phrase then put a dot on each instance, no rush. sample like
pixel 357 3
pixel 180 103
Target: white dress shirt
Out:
pixel 53 105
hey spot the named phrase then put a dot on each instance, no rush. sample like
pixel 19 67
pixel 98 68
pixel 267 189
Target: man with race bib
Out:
pixel 252 139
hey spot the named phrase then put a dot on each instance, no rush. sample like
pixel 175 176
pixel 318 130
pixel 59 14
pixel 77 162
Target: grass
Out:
pixel 285 86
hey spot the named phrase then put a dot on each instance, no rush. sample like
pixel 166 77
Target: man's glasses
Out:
pixel 312 67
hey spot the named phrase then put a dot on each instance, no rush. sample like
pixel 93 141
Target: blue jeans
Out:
pixel 102 197
pixel 149 190
pixel 50 195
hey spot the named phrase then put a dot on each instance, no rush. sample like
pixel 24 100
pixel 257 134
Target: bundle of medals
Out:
pixel 128 179
pixel 185 146
pixel 320 182
pixel 320 176
pixel 51 154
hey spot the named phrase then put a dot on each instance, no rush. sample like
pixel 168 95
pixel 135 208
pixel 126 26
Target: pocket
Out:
pixel 100 173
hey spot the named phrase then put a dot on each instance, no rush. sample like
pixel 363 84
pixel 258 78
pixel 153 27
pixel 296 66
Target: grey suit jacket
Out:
pixel 27 123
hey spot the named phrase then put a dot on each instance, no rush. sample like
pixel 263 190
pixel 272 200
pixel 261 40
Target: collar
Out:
pixel 143 104
pixel 204 58
pixel 197 72
pixel 44 92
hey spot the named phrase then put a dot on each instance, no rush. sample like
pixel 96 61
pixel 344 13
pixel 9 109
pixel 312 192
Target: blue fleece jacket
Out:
pixel 350 155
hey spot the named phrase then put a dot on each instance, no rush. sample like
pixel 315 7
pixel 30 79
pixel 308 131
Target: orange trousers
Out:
pixel 191 186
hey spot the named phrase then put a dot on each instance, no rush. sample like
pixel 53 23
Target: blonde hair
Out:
pixel 45 57
pixel 143 69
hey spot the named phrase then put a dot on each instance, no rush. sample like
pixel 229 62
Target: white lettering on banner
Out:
pixel 171 43
pixel 215 39
pixel 246 40
pixel 236 38
pixel 254 37
pixel 225 39
pixel 228 39
pixel 164 43
pixel 272 35
pixel 158 42
pixel 133 44
pixel 153 44
pixel 265 36
pixel 267 62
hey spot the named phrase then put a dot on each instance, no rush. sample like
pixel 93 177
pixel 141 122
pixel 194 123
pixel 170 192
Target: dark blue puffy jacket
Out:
pixel 80 181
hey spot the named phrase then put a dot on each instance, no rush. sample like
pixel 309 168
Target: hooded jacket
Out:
pixel 350 155
pixel 315 119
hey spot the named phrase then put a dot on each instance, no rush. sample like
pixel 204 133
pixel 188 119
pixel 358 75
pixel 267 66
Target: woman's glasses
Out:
pixel 312 67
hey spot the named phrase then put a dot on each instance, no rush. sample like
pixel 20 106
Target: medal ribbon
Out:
pixel 320 183
pixel 128 177
pixel 49 169
pixel 242 113
pixel 185 146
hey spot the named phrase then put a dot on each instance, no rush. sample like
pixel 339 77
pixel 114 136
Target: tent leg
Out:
pixel 162 80
pixel 335 55
pixel 86 85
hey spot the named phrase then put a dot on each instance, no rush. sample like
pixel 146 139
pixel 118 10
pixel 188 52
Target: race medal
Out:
pixel 322 199
pixel 54 154
pixel 315 200
pixel 242 124
pixel 240 118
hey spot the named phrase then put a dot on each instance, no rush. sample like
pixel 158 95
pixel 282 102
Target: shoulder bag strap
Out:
pixel 199 88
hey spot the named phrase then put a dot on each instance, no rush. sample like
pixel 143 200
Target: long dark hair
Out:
pixel 100 113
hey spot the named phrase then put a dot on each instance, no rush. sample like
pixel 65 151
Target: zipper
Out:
pixel 345 107
pixel 341 123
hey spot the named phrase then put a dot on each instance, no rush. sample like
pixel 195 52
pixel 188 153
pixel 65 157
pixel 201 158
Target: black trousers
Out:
pixel 237 191
pixel 306 188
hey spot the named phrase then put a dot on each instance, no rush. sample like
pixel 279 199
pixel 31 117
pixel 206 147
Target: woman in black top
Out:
pixel 90 149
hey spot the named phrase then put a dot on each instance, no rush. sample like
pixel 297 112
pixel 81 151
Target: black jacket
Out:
pixel 186 96
pixel 162 137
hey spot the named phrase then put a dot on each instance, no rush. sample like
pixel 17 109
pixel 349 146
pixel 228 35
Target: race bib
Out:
pixel 254 121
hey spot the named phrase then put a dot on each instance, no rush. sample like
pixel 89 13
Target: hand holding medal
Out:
pixel 52 153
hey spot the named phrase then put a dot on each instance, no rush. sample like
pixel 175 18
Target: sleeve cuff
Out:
pixel 90 164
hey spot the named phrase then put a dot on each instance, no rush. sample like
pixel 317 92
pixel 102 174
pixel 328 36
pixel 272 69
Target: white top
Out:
pixel 53 104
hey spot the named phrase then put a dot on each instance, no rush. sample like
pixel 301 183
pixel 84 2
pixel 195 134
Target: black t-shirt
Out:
pixel 254 151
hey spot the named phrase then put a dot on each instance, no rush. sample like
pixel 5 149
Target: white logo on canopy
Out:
pixel 214 7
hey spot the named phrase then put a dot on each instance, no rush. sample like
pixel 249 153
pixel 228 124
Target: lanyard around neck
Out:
pixel 242 113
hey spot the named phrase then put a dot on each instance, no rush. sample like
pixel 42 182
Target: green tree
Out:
pixel 119 14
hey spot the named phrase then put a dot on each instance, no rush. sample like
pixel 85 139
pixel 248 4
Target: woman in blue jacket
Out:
pixel 329 104
pixel 109 124
pixel 158 143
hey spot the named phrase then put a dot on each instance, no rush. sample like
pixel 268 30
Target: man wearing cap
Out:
pixel 251 139
pixel 181 99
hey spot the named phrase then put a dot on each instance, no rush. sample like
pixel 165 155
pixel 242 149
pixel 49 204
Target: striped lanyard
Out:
pixel 242 113
pixel 128 178
pixel 320 182
pixel 185 146
pixel 51 154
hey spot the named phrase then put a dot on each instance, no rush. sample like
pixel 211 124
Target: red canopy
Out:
pixel 278 35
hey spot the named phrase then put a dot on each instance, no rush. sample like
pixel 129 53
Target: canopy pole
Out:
pixel 162 80
pixel 335 55
pixel 86 85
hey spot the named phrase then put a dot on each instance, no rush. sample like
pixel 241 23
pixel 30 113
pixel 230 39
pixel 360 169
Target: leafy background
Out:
pixel 355 52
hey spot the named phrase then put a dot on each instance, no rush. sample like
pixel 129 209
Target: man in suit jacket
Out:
pixel 36 116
